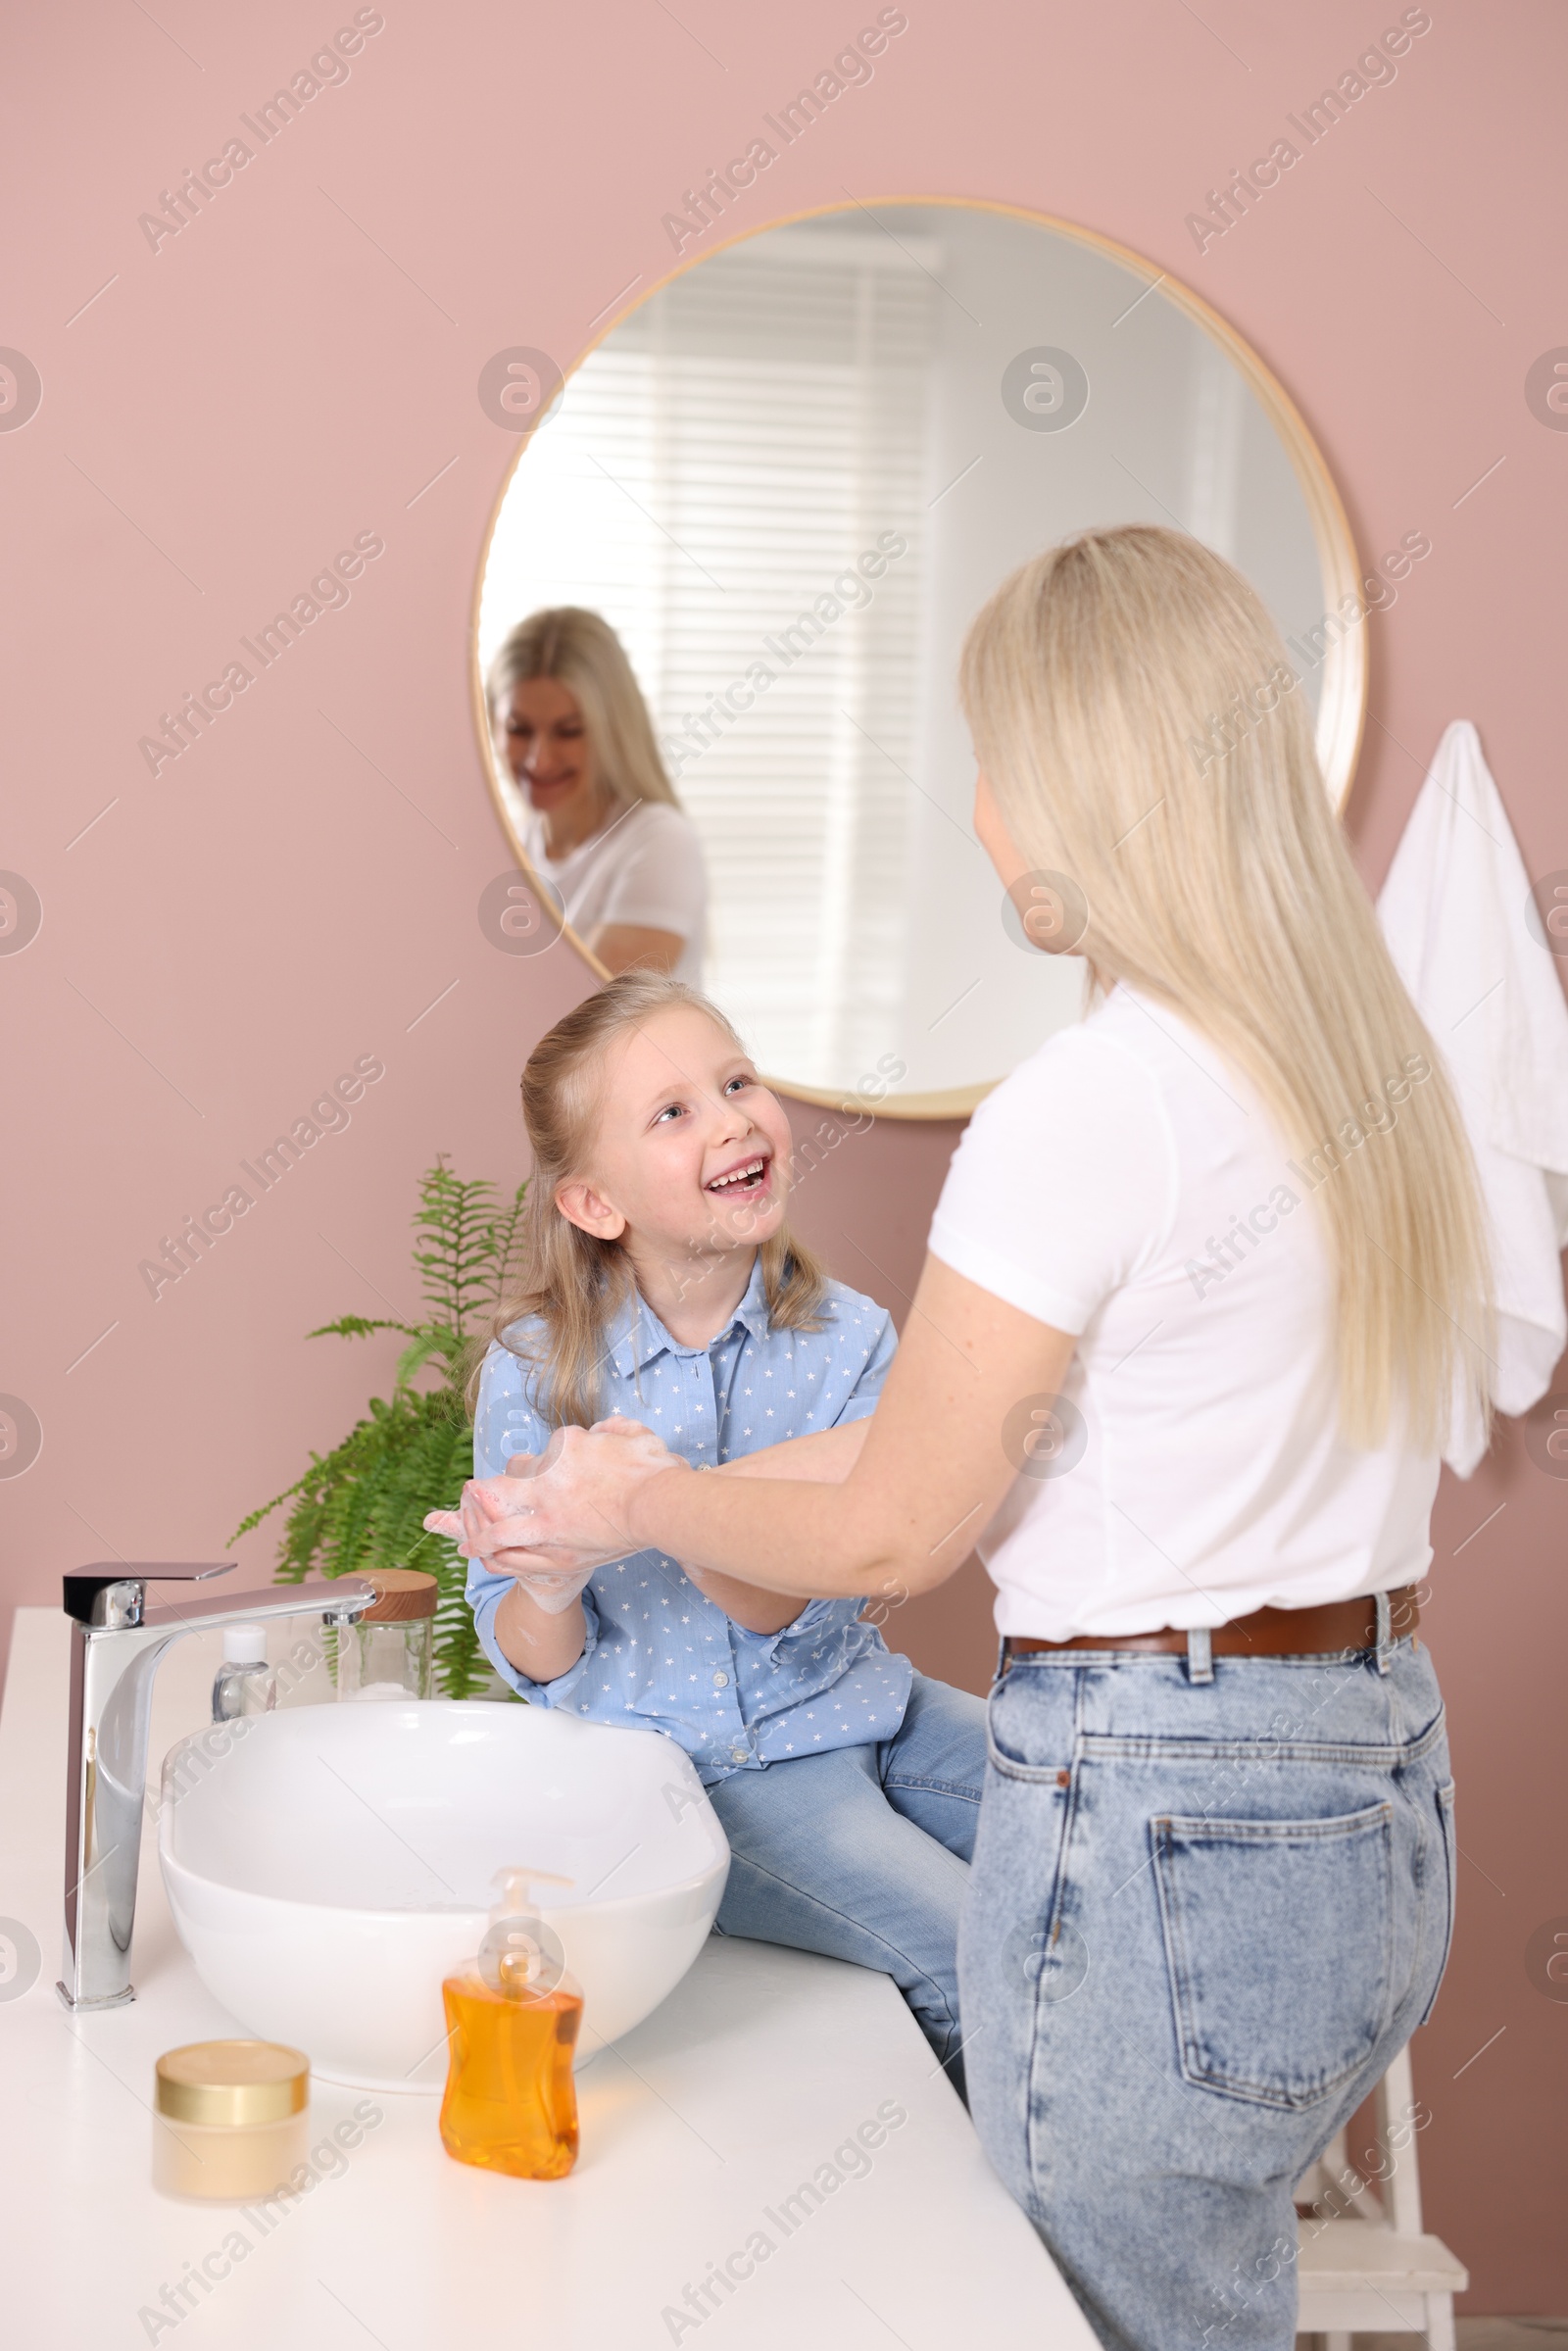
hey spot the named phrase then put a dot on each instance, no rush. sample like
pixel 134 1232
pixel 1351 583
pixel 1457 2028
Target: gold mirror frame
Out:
pixel 1341 708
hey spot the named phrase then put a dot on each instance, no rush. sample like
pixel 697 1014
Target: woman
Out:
pixel 600 821
pixel 1205 1283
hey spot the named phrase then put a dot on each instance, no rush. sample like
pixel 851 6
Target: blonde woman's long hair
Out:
pixel 1143 734
pixel 579 648
pixel 570 1283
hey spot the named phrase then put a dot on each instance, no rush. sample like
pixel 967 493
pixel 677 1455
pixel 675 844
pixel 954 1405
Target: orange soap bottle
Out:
pixel 512 2029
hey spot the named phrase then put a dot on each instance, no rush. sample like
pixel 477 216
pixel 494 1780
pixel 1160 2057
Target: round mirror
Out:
pixel 787 479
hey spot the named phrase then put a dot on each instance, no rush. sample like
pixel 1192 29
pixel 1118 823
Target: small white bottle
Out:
pixel 245 1684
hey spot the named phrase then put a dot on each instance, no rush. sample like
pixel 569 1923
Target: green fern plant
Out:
pixel 362 1504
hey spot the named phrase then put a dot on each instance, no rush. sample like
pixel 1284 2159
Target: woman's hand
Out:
pixel 596 1486
pixel 575 1504
pixel 487 1505
pixel 500 1519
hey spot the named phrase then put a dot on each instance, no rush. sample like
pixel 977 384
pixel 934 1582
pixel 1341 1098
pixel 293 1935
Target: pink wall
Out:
pixel 299 889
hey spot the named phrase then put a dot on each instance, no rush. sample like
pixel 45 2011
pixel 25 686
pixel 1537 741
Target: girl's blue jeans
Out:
pixel 1205 1914
pixel 863 1854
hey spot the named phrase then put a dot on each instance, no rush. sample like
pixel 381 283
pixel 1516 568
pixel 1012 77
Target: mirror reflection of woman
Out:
pixel 597 813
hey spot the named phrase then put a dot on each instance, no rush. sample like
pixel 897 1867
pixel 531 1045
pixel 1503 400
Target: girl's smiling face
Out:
pixel 691 1152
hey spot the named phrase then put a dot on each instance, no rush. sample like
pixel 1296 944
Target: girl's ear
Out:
pixel 589 1210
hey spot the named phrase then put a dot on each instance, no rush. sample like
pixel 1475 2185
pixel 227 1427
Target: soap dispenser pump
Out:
pixel 511 2030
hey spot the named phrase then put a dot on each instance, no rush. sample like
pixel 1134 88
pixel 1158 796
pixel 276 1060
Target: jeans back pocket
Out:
pixel 1279 1945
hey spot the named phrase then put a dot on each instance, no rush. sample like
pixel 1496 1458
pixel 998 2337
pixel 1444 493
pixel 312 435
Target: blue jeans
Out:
pixel 863 1854
pixel 1204 1916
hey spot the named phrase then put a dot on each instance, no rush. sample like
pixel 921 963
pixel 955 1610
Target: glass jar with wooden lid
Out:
pixel 389 1653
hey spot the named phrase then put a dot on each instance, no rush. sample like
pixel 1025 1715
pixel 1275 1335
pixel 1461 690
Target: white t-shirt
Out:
pixel 1197 1471
pixel 643 866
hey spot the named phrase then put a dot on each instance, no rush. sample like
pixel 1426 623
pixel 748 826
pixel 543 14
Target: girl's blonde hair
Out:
pixel 1144 735
pixel 581 650
pixel 569 1280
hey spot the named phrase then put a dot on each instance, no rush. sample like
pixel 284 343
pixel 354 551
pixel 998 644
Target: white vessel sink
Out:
pixel 328 1865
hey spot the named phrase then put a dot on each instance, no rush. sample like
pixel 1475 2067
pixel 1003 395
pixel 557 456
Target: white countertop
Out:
pixel 695 2129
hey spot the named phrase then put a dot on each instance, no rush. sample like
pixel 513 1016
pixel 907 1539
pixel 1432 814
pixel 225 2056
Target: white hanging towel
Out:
pixel 1455 914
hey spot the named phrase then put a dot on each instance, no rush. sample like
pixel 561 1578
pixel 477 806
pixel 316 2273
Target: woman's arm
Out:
pixel 656 898
pixel 634 947
pixel 825 1457
pixel 967 1405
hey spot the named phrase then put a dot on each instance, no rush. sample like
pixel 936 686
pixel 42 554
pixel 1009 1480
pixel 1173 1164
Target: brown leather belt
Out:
pixel 1266 1632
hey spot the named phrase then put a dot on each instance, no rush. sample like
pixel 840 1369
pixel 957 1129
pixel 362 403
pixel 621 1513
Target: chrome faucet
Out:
pixel 116 1645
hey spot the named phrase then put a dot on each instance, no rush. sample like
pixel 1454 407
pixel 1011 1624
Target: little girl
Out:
pixel 662 1287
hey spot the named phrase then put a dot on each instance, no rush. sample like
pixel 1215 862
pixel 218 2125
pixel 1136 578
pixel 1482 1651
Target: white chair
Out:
pixel 1366 2265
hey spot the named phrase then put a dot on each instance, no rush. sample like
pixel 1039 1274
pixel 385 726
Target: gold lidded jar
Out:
pixel 232 2119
